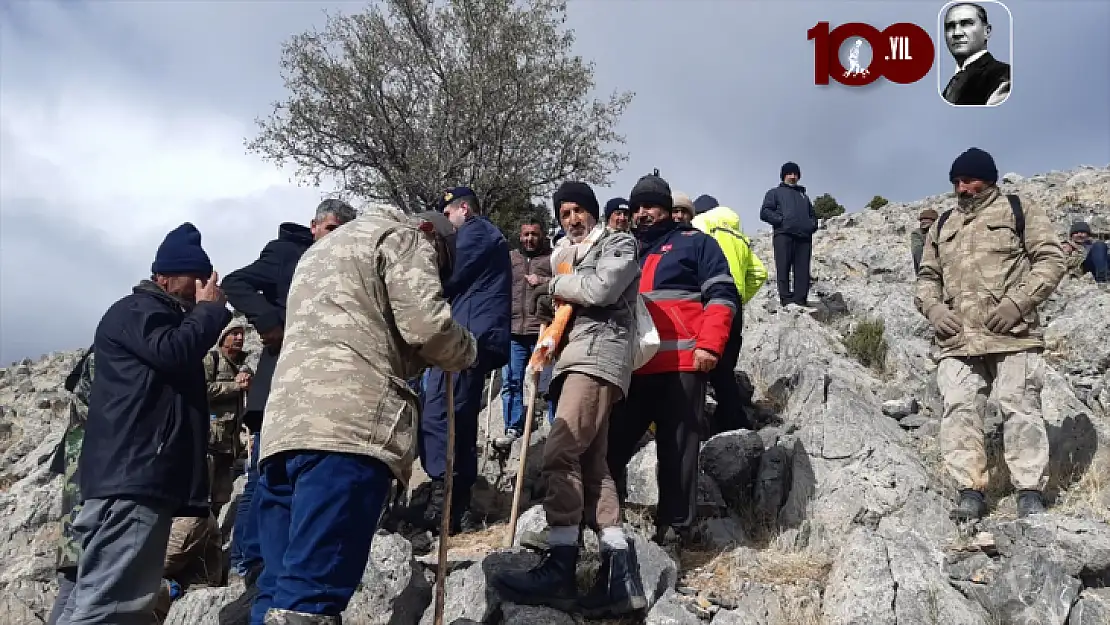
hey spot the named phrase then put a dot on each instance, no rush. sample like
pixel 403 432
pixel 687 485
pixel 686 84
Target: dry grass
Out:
pixel 1090 493
pixel 485 541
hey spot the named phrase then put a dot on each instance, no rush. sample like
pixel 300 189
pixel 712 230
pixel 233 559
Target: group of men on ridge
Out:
pixel 354 308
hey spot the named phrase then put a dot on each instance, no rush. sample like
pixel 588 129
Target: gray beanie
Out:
pixel 651 190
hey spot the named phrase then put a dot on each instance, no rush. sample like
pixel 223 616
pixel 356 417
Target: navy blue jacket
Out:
pixel 147 431
pixel 259 291
pixel 480 290
pixel 688 290
pixel 788 209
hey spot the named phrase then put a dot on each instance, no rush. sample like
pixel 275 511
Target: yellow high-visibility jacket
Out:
pixel 723 224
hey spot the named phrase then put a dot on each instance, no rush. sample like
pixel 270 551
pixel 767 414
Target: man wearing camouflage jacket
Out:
pixel 64 462
pixel 981 279
pixel 228 378
pixel 365 313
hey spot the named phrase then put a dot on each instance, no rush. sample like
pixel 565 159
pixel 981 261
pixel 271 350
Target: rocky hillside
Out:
pixel 834 512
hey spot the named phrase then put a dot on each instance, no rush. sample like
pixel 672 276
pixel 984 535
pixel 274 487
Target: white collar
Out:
pixel 971 59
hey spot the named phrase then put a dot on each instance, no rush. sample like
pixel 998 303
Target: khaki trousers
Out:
pixel 575 470
pixel 1015 381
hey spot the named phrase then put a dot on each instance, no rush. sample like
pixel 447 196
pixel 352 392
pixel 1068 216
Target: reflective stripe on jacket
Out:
pixel 689 292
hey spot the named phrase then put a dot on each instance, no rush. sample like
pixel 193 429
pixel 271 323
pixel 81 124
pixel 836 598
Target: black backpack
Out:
pixel 74 376
pixel 1015 206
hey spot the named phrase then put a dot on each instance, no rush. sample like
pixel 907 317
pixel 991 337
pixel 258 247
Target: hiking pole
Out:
pixel 448 482
pixel 489 417
pixel 524 440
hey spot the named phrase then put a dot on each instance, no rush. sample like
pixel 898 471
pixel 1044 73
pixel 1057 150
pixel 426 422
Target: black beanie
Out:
pixel 976 164
pixel 181 253
pixel 614 205
pixel 651 190
pixel 581 194
pixel 1079 226
pixel 705 203
pixel 790 168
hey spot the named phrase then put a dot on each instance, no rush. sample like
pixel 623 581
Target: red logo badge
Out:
pixel 902 53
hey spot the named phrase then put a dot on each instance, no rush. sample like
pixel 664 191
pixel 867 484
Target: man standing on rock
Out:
pixel 531 270
pixel 917 238
pixel 986 266
pixel 366 313
pixel 692 299
pixel 788 209
pixel 144 457
pixel 592 372
pixel 723 224
pixel 228 378
pixel 259 291
pixel 480 293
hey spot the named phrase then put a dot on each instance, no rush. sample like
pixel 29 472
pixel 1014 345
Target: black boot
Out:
pixel 972 506
pixel 551 583
pixel 433 513
pixel 1030 502
pixel 617 590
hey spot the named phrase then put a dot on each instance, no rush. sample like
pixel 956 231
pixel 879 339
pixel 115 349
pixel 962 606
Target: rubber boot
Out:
pixel 972 506
pixel 277 616
pixel 551 583
pixel 1030 502
pixel 617 589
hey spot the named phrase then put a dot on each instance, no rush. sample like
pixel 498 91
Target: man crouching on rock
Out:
pixel 591 373
pixel 365 313
pixel 986 266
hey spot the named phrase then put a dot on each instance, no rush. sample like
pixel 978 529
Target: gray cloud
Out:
pixel 724 96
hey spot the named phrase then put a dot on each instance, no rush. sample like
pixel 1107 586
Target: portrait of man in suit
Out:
pixel 980 79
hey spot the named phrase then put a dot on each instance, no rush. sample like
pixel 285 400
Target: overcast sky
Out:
pixel 120 120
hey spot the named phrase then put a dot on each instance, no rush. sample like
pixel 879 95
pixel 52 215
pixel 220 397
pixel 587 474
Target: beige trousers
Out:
pixel 1014 381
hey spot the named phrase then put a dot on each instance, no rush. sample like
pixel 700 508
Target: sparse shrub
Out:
pixel 826 206
pixel 866 342
pixel 877 202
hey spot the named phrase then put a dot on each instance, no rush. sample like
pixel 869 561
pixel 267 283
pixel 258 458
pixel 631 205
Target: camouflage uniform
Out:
pixel 69 542
pixel 225 401
pixel 1075 260
pixel 365 313
pixel 970 267
pixel 194 558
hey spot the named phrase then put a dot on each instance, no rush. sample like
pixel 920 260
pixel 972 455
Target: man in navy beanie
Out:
pixel 986 266
pixel 143 460
pixel 788 209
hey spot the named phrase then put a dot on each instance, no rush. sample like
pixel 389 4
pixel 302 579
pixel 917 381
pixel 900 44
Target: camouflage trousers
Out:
pixel 969 386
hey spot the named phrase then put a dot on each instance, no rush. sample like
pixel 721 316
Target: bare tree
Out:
pixel 413 96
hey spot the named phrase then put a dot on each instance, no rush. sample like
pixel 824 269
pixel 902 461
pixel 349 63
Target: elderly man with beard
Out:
pixel 986 266
pixel 144 456
pixel 366 311
pixel 592 372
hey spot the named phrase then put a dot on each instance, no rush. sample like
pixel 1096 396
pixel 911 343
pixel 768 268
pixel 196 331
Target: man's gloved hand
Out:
pixel 471 350
pixel 945 322
pixel 545 309
pixel 1004 317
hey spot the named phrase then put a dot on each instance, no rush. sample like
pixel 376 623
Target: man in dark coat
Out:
pixel 144 457
pixel 980 79
pixel 788 209
pixel 259 291
pixel 480 293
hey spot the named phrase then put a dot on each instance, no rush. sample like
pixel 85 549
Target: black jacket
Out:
pixel 259 291
pixel 974 84
pixel 788 209
pixel 147 430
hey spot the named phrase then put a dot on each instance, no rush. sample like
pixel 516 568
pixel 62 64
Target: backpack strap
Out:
pixel 74 376
pixel 1015 207
pixel 940 226
pixel 1019 216
pixel 214 363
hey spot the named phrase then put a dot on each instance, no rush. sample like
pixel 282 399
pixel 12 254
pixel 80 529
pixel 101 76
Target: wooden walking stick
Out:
pixel 524 440
pixel 448 480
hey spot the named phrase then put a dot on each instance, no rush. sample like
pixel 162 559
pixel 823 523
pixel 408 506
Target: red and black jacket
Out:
pixel 688 290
